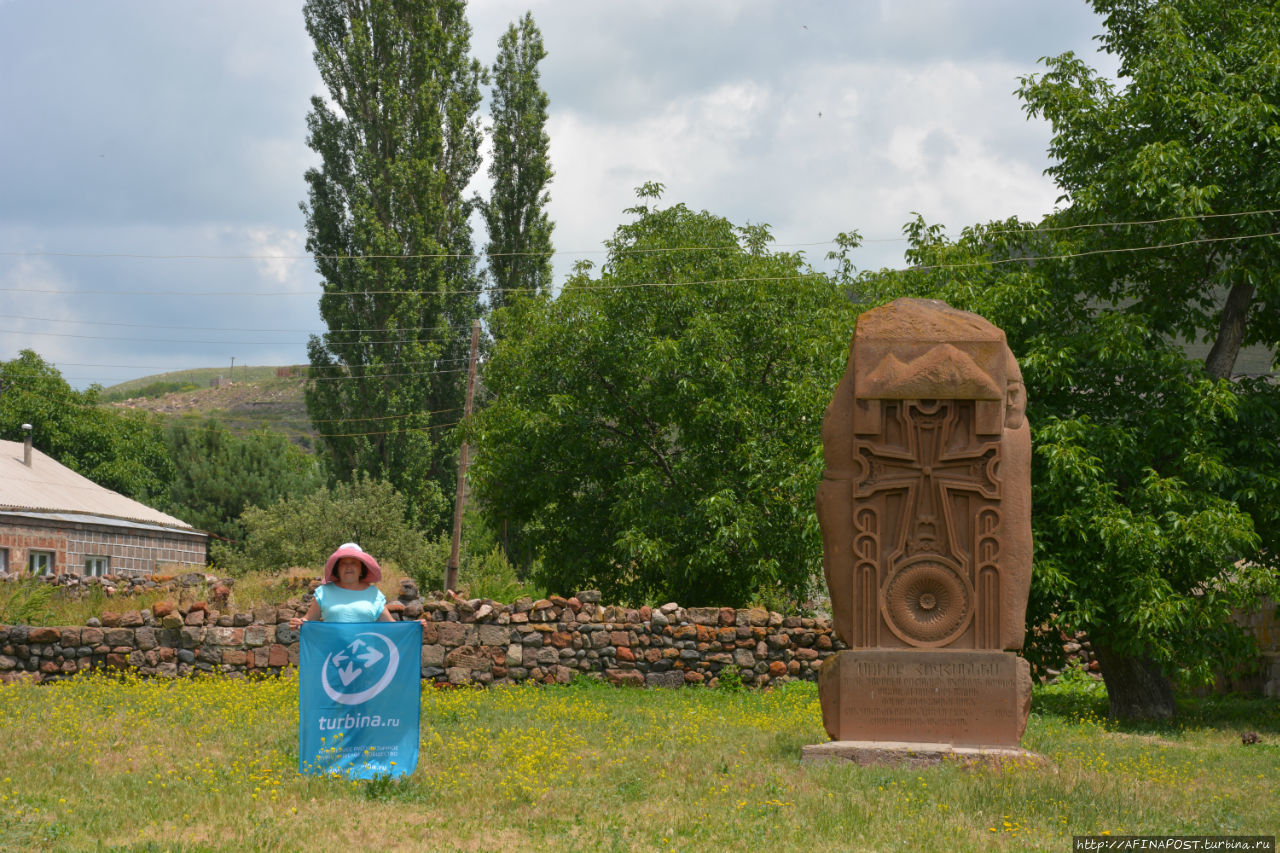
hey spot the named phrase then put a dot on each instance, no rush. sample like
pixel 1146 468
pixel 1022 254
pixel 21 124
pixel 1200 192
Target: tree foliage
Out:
pixel 121 450
pixel 1145 470
pixel 304 530
pixel 1183 160
pixel 218 475
pixel 1188 146
pixel 519 229
pixel 388 224
pixel 655 428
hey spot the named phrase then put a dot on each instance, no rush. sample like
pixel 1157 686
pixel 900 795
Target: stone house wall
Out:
pixel 128 549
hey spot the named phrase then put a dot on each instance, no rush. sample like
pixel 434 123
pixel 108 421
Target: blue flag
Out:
pixel 359 699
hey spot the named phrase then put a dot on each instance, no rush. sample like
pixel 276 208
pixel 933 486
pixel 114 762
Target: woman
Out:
pixel 348 593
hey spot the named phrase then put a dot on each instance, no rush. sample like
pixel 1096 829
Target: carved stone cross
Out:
pixel 935 462
pixel 925 509
pixel 925 502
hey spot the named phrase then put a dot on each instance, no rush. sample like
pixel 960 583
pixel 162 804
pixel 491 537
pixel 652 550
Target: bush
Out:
pixel 303 531
pixel 483 571
pixel 730 679
pixel 150 390
pixel 26 602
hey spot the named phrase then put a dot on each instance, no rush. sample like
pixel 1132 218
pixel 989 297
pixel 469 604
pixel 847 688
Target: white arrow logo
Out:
pixel 350 672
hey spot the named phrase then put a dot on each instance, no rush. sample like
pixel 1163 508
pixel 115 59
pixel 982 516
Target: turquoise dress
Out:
pixel 349 605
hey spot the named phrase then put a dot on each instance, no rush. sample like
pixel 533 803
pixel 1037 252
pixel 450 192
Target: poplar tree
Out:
pixel 519 229
pixel 387 221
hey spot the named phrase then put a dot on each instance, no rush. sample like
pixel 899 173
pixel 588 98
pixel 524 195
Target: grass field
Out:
pixel 125 764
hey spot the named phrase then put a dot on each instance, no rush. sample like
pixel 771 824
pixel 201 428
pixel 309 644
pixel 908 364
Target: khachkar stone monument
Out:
pixel 925 507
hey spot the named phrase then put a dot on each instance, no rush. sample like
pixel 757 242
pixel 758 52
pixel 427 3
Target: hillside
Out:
pixel 256 400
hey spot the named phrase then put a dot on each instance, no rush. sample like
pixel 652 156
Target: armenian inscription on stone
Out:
pixel 893 695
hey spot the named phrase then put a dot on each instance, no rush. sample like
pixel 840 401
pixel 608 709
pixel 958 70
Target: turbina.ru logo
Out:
pixel 361 670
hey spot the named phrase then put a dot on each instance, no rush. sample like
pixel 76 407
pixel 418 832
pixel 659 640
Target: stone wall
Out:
pixel 481 642
pixel 485 642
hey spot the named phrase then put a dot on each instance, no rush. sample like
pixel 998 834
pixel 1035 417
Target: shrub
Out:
pixel 303 531
pixel 483 572
pixel 26 602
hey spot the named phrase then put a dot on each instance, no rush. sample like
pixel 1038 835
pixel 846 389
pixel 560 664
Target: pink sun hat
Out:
pixel 351 549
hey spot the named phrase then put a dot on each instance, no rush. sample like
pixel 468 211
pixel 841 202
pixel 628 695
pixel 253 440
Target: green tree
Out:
pixel 1146 472
pixel 304 530
pixel 388 224
pixel 218 475
pixel 519 230
pixel 1187 149
pixel 121 450
pixel 655 430
pixel 1189 146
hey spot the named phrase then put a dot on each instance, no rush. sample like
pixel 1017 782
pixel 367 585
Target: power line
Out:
pixel 1069 255
pixel 389 432
pixel 386 417
pixel 628 285
pixel 945 266
pixel 260 343
pixel 249 418
pixel 309 367
pixel 576 252
pixel 222 293
pixel 1039 229
pixel 406 257
pixel 376 376
pixel 466 327
pixel 149 339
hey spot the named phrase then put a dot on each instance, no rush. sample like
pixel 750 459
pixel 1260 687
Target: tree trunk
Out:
pixel 1231 328
pixel 1137 686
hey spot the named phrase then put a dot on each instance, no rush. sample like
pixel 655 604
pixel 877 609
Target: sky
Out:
pixel 135 131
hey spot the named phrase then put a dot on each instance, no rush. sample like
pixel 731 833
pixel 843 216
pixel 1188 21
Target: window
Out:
pixel 4 559
pixel 40 562
pixel 96 567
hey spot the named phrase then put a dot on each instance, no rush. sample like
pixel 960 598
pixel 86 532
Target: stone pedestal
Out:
pixel 896 754
pixel 938 697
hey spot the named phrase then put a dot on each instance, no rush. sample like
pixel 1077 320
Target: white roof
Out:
pixel 50 487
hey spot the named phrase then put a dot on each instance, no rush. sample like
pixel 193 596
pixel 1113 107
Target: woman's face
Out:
pixel 348 570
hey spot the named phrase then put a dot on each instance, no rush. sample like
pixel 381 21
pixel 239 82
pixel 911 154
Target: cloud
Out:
pixel 864 147
pixel 114 318
pixel 179 129
pixel 29 316
pixel 279 252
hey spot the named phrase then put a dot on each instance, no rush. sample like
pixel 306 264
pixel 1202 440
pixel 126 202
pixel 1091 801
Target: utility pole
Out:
pixel 460 496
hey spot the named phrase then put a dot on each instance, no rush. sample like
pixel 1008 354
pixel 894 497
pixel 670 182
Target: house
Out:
pixel 54 521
